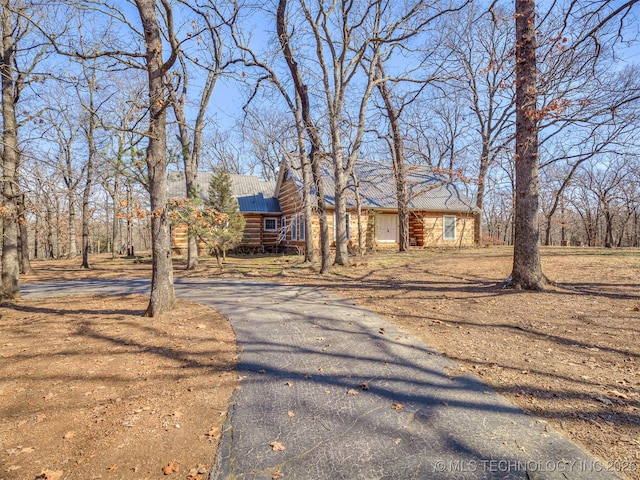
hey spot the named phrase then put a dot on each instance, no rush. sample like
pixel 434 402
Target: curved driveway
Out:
pixel 332 391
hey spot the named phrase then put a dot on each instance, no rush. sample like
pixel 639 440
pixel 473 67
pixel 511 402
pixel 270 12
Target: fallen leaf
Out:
pixel 289 384
pixel 198 473
pixel 398 406
pixel 364 386
pixel 276 475
pixel 277 446
pixel 618 394
pixel 51 474
pixel 171 468
pixel 69 434
pixel 201 326
pixel 291 414
pixel 636 308
pixel 353 391
pixel 19 450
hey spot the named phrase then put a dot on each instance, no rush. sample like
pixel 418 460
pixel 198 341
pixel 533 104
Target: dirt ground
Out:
pixel 90 389
pixel 570 355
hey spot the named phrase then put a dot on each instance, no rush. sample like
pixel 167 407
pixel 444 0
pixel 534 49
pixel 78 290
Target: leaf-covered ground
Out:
pixel 570 354
pixel 89 388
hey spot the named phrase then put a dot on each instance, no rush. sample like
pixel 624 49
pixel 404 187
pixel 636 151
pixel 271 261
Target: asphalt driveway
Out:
pixel 332 391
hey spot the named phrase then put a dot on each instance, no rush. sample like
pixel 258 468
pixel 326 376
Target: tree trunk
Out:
pixel 116 240
pixel 51 233
pixel 23 238
pixel 190 173
pixel 312 131
pixel 10 262
pixel 482 178
pixel 527 271
pixel 73 247
pixel 563 223
pixel 325 241
pixel 608 228
pixel 86 193
pixel 340 222
pixel 361 244
pixel 309 250
pixel 162 292
pixel 58 249
pixel 397 156
pixel 85 221
pixel 36 235
pixel 547 230
pixel 190 165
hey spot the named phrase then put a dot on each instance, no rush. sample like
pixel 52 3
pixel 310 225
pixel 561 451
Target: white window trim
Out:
pixel 264 224
pixel 283 229
pixel 444 227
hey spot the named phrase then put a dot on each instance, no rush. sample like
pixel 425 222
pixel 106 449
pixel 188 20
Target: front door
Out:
pixel 387 228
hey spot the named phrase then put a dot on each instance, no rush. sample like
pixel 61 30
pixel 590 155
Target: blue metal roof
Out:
pixel 253 195
pixel 428 190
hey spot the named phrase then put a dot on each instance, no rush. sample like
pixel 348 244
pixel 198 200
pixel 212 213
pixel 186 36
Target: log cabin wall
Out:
pixel 428 228
pixel 180 241
pixel 291 204
pixel 252 235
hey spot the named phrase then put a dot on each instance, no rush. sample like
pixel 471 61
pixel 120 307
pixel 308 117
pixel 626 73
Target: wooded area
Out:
pixel 100 99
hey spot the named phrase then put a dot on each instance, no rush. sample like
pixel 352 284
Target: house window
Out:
pixel 294 228
pixel 449 227
pixel 270 224
pixel 348 225
pixel 301 227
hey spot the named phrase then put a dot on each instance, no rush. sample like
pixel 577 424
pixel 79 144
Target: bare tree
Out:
pixel 162 292
pixel 481 69
pixel 21 53
pixel 10 95
pixel 342 35
pixel 209 24
pixel 271 135
pixel 302 110
pixel 274 141
pixel 64 133
pixel 527 270
pixel 338 54
pixel 143 50
pixel 89 127
pixel 396 146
